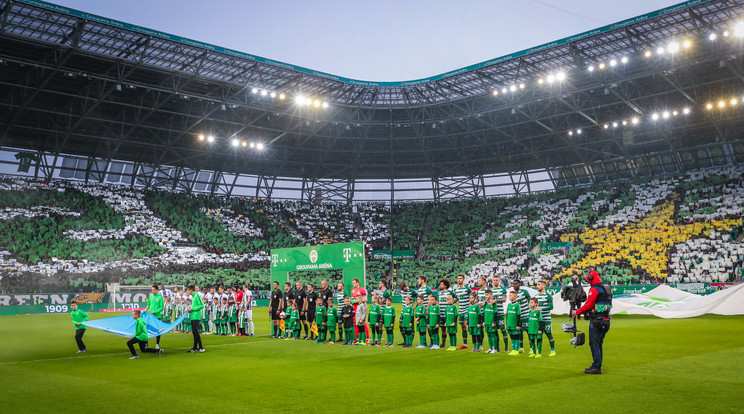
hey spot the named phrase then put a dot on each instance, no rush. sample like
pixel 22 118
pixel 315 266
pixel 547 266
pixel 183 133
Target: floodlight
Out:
pixel 254 90
pixel 503 90
pixel 551 78
pixel 316 103
pixel 570 133
pixel 324 105
pixel 243 144
pixel 614 124
pixel 675 113
pixel 201 137
pixel 263 92
pixel 260 146
pixel 712 36
pixel 721 104
pixel 495 92
pixel 606 126
pixel 635 121
pixel 273 94
pixel 660 51
pixel 540 81
pixel 602 65
pixel 726 33
pixel 648 53
pixel 734 101
pixel 282 96
pixel 709 106
pixel 625 123
pixel 560 76
pixel 253 145
pixel 624 59
pixel 308 101
pixel 665 115
pixel 739 29
pixel 210 139
pixel 513 88
pixel 578 131
pixel 613 62
pixel 235 142
pixel 686 44
pixel 591 68
pixel 655 117
pixel 673 47
pixel 300 99
pixel 521 86
pixel 686 111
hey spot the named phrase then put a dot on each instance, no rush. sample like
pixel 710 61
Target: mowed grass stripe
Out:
pixel 651 364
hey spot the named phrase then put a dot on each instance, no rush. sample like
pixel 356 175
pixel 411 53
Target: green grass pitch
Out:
pixel 651 365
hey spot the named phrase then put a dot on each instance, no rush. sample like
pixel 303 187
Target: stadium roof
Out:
pixel 76 83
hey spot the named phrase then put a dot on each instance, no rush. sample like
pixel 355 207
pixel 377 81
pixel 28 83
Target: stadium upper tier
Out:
pixel 599 104
pixel 682 228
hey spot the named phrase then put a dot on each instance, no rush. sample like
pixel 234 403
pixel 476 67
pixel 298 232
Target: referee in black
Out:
pixel 311 298
pixel 275 308
pixel 299 297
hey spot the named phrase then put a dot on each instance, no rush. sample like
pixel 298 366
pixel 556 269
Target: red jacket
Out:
pixel 591 300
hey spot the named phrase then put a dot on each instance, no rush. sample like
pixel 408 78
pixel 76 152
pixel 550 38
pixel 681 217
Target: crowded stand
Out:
pixel 685 228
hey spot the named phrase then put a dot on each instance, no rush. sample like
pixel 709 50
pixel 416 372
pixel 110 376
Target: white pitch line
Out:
pixel 118 353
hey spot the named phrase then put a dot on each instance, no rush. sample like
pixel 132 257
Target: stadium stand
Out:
pixel 92 233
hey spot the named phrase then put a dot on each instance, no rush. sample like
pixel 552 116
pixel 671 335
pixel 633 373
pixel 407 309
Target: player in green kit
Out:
pixel 406 323
pixel 388 320
pixel 499 294
pixel 155 307
pixel 332 321
pixel 340 295
pixel 489 322
pixel 462 294
pixel 475 322
pixel 442 294
pixel 187 319
pixel 321 320
pixel 545 304
pixel 451 315
pixel 535 327
pixel 433 322
pixel 513 322
pixel 375 316
pixel 167 310
pixel 420 314
pixel 78 319
pixel 523 297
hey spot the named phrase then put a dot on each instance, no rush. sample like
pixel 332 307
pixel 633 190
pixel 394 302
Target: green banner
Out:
pixel 346 256
pixel 397 254
pixel 24 160
pixel 554 247
pixel 328 256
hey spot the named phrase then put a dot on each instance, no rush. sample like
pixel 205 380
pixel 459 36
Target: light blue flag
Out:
pixel 124 325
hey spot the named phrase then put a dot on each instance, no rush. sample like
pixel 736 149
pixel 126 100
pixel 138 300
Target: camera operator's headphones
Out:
pixel 592 276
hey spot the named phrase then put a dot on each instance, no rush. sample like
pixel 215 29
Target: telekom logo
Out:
pixel 275 259
pixel 347 254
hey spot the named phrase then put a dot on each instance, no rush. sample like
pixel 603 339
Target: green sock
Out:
pixel 464 336
pixel 539 346
pixel 453 340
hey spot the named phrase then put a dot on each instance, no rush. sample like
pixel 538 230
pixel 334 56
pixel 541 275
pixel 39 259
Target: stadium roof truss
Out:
pixel 74 83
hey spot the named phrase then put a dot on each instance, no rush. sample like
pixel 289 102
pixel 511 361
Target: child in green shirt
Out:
pixel 78 317
pixel 421 321
pixel 475 323
pixel 187 319
pixel 388 320
pixel 513 322
pixel 374 321
pixel 294 322
pixel 321 320
pixel 490 315
pixel 535 326
pixel 232 317
pixel 433 322
pixel 406 322
pixel 332 321
pixel 451 316
pixel 140 337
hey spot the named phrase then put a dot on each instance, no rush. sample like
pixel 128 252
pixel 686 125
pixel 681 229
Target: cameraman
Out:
pixel 597 308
